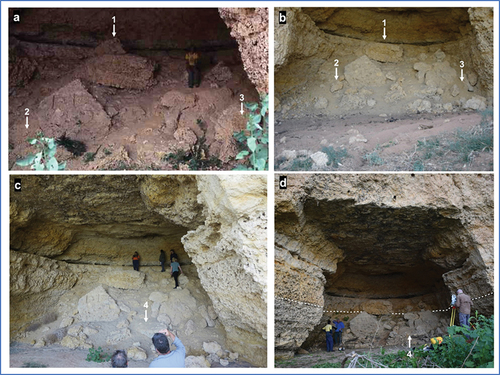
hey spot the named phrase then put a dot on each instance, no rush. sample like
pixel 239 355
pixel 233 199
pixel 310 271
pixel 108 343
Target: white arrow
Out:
pixel 461 75
pixel 384 36
pixel 409 341
pixel 336 74
pixel 146 315
pixel 241 108
pixel 114 33
pixel 27 125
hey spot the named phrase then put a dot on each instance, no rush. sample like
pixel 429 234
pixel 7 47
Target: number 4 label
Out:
pixel 146 305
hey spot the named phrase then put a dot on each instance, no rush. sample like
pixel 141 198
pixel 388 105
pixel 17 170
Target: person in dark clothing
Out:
pixel 119 359
pixel 173 255
pixel 163 259
pixel 135 261
pixel 193 70
pixel 174 271
pixel 339 327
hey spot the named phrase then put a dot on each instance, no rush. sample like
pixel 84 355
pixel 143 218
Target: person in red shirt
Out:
pixel 135 261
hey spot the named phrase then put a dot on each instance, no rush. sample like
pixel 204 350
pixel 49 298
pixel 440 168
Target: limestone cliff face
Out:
pixel 422 51
pixel 249 26
pixel 482 23
pixel 70 234
pixel 363 242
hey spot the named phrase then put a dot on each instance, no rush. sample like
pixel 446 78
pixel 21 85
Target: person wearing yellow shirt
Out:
pixel 329 337
pixel 193 70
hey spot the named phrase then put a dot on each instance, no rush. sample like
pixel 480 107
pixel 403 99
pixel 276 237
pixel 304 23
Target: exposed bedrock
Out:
pixel 165 28
pixel 250 28
pixel 75 238
pixel 43 31
pixel 381 244
pixel 418 61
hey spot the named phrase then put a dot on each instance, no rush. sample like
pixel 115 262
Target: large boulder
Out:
pixel 364 325
pixel 121 71
pixel 72 111
pixel 196 362
pixel 97 306
pixel 364 72
pixel 384 52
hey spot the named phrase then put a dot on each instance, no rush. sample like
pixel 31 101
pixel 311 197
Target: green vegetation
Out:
pixel 301 164
pixel 88 157
pixel 45 157
pixel 327 365
pixel 96 355
pixel 461 348
pixel 33 364
pixel 334 156
pixel 470 348
pixel 449 151
pixel 254 141
pixel 373 158
pixel 195 158
pixel 429 148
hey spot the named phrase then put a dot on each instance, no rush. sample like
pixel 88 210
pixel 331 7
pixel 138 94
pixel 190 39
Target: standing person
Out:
pixel 464 304
pixel 163 259
pixel 329 338
pixel 167 357
pixel 173 255
pixel 338 332
pixel 135 261
pixel 174 271
pixel 193 70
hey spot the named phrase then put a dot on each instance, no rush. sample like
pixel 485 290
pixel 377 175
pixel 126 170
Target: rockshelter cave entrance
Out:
pixel 127 69
pixel 382 253
pixel 72 285
pixel 374 82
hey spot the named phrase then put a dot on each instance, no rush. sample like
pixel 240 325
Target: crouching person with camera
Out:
pixel 166 356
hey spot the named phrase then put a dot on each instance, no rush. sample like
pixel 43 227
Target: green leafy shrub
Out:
pixel 88 157
pixel 464 347
pixel 418 166
pixel 468 347
pixel 45 157
pixel 195 158
pixel 96 355
pixel 373 158
pixel 334 156
pixel 301 164
pixel 254 140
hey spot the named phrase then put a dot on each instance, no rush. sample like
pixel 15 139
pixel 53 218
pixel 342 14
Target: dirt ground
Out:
pixel 321 358
pixel 22 355
pixel 137 138
pixel 423 142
